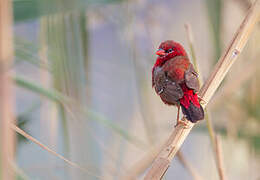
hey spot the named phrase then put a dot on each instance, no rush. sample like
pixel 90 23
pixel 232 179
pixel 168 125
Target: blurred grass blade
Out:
pixel 137 142
pixel 32 9
pixel 60 98
pixel 214 8
pixel 50 94
pixel 27 51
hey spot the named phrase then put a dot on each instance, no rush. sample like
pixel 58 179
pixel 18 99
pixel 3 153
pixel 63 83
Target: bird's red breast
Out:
pixel 176 68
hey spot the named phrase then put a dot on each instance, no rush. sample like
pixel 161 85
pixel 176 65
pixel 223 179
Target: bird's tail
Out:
pixel 190 105
pixel 193 113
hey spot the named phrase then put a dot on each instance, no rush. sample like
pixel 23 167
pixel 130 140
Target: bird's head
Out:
pixel 168 50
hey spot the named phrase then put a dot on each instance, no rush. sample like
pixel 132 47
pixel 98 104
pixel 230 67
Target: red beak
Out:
pixel 160 52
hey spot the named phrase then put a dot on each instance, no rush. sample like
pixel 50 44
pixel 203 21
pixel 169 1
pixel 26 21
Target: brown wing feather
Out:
pixel 169 91
pixel 191 78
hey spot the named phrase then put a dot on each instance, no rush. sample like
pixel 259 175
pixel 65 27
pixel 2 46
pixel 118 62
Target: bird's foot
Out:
pixel 201 100
pixel 183 123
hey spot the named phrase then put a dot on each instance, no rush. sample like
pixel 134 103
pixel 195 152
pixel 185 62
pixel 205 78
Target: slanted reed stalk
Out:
pixel 179 134
pixel 210 127
pixel 7 137
pixel 43 146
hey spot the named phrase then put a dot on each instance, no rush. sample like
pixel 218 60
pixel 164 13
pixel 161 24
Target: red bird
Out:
pixel 176 81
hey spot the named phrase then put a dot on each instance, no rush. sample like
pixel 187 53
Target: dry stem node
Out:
pixel 174 142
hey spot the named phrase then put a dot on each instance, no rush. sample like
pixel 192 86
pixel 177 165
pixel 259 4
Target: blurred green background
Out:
pixel 83 86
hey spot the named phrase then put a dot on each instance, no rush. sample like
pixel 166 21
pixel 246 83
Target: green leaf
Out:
pixel 51 94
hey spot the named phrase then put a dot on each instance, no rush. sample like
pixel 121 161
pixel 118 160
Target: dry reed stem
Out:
pixel 23 133
pixel 237 44
pixel 179 134
pixel 7 136
pixel 245 4
pixel 235 83
pixel 208 120
pixel 219 159
pixel 141 165
pixel 172 145
pixel 210 127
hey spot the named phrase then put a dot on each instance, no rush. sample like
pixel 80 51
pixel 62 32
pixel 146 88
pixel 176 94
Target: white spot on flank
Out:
pixel 160 91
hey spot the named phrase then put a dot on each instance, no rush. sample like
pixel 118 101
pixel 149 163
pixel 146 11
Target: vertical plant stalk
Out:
pixel 192 49
pixel 219 159
pixel 179 134
pixel 209 122
pixel 210 127
pixel 44 75
pixel 7 136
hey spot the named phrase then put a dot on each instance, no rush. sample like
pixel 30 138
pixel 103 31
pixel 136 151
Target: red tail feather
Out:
pixel 191 107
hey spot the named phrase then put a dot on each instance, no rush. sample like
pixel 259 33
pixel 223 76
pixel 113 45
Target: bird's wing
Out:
pixel 191 78
pixel 169 91
pixel 153 77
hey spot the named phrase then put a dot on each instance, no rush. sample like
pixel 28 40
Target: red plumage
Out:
pixel 176 81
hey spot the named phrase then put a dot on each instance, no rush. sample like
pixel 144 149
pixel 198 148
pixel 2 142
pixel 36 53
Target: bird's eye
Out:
pixel 169 50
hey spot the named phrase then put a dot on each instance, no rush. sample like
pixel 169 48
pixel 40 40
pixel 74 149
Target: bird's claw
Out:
pixel 201 100
pixel 183 123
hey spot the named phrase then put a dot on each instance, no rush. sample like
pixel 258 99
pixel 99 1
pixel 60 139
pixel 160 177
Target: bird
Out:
pixel 176 81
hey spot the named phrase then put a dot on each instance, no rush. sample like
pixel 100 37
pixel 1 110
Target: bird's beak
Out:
pixel 160 52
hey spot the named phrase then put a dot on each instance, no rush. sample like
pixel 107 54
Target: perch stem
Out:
pixel 179 134
pixel 212 134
